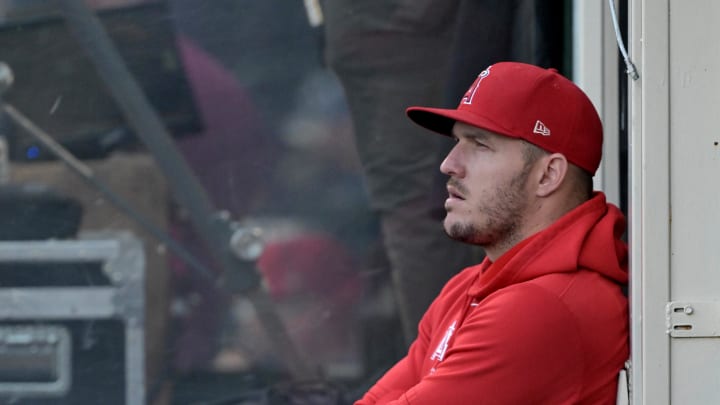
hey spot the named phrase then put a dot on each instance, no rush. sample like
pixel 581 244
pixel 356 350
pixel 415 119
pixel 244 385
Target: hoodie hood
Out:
pixel 586 238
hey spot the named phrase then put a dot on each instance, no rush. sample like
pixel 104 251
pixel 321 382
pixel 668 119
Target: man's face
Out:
pixel 487 188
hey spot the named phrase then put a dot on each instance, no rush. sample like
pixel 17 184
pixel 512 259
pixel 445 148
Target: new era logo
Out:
pixel 541 129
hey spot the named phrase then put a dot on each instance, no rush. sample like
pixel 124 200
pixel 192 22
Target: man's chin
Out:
pixel 455 230
pixel 463 232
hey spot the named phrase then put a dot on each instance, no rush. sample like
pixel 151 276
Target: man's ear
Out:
pixel 553 170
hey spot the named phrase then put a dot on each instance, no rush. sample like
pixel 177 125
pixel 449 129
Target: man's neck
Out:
pixel 540 215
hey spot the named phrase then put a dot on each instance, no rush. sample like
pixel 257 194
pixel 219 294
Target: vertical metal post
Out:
pixel 650 201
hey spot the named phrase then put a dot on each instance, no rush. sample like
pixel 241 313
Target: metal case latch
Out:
pixel 693 319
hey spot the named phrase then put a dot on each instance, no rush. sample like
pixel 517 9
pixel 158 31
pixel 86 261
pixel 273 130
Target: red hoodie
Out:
pixel 546 323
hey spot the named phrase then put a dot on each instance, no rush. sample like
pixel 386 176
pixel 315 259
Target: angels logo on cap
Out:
pixel 468 97
pixel 526 102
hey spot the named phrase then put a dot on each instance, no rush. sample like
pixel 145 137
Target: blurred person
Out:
pixel 543 319
pixel 379 51
pixel 231 159
pixel 312 278
pixel 227 157
pixel 387 55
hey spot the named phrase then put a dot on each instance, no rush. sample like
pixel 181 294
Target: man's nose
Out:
pixel 451 165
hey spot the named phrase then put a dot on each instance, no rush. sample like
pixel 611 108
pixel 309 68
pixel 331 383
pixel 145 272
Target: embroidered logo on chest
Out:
pixel 439 353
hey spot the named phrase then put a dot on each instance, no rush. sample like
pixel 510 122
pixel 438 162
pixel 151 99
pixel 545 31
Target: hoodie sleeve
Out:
pixel 519 346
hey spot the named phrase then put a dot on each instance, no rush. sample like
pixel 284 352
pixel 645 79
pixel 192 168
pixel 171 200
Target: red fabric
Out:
pixel 527 102
pixel 547 324
pixel 310 263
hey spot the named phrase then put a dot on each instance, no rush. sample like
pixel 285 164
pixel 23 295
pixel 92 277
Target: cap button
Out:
pixel 553 70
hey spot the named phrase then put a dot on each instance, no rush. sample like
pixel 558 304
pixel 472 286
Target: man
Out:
pixel 542 320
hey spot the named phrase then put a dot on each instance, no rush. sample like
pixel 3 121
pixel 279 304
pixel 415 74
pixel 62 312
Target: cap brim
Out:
pixel 442 120
pixel 438 120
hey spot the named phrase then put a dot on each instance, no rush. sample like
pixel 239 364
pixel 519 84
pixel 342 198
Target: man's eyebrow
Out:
pixel 482 136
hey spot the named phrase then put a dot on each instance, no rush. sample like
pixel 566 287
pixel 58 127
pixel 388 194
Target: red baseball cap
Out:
pixel 527 102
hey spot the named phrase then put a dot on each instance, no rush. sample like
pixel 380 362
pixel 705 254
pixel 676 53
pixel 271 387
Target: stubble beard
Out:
pixel 501 217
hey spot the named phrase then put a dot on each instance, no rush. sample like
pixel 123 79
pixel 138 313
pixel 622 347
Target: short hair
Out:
pixel 582 180
pixel 532 153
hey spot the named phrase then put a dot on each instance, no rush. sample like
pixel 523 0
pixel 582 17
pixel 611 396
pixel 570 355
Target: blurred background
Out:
pixel 289 116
